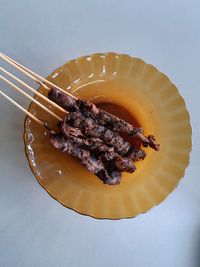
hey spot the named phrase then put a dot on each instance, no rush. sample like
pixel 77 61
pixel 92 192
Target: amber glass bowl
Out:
pixel 156 104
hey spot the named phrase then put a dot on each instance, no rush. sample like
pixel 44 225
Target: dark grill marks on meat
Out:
pixel 65 101
pixel 124 164
pixel 104 118
pixel 67 146
pixel 98 145
pixel 90 128
pixel 70 131
pixel 99 148
pixel 91 163
pixel 114 176
pixel 136 154
pixel 114 123
pixel 150 141
pixel 101 117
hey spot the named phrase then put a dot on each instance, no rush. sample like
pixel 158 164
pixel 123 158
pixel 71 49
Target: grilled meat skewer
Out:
pixel 100 117
pixel 91 129
pixel 98 148
pixel 94 165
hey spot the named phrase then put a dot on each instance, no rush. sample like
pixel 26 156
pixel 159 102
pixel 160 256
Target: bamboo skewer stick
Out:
pixel 20 68
pixel 33 90
pixel 31 98
pixel 22 109
pixel 37 78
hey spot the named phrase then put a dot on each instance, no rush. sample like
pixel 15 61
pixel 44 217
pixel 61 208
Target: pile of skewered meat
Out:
pixel 93 136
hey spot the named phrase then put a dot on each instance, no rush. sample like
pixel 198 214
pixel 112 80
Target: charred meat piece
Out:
pixel 65 101
pixel 114 176
pixel 150 141
pixel 101 117
pixel 114 123
pixel 95 144
pixel 66 145
pixel 91 129
pixel 70 131
pixel 92 164
pixel 104 118
pixel 99 148
pixel 124 164
pixel 136 154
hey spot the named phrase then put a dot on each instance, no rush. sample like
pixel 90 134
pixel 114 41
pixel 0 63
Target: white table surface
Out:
pixel 35 230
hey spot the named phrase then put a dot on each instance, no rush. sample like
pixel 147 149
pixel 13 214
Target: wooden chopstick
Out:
pixel 36 77
pixel 31 98
pixel 33 90
pixel 22 109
